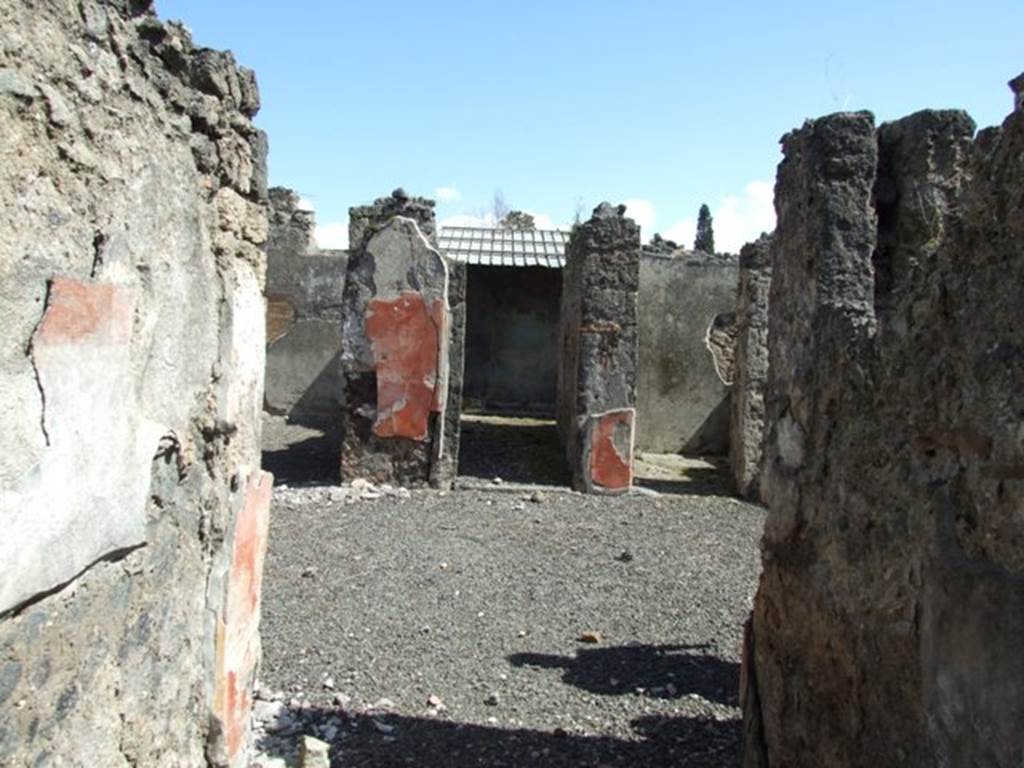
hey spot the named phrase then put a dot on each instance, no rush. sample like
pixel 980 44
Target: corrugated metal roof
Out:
pixel 504 247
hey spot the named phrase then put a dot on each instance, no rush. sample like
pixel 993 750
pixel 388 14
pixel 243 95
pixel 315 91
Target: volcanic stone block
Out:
pixel 893 574
pixel 396 345
pixel 598 350
pixel 751 366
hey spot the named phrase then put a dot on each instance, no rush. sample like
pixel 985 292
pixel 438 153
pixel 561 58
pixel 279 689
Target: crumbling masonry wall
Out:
pixel 598 351
pixel 133 509
pixel 397 347
pixel 305 288
pixel 888 623
pixel 750 368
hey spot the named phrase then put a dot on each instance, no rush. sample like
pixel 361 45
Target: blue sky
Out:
pixel 657 103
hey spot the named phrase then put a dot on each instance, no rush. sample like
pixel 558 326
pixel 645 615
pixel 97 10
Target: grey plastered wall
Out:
pixel 682 403
pixel 511 338
pixel 304 295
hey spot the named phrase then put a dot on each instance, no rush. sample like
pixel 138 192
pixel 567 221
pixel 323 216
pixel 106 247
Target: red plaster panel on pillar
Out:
pixel 406 338
pixel 82 312
pixel 238 645
pixel 610 461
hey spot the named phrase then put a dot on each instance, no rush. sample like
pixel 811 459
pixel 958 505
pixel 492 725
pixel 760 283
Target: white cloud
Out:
pixel 681 233
pixel 306 205
pixel 467 220
pixel 332 235
pixel 739 219
pixel 642 212
pixel 543 221
pixel 487 220
pixel 446 194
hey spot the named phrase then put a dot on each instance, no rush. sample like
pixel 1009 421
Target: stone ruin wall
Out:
pixel 133 510
pixel 305 288
pixel 403 318
pixel 888 622
pixel 597 355
pixel 750 367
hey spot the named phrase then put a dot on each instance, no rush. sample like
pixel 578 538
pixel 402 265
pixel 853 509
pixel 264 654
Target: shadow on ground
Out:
pixel 312 461
pixel 518 450
pixel 384 740
pixel 662 671
pixel 673 474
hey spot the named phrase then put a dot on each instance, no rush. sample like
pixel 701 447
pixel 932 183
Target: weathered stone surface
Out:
pixel 305 288
pixel 291 226
pixel 682 404
pixel 597 332
pixel 750 371
pixel 720 340
pixel 131 274
pixel 888 621
pixel 314 753
pixel 395 356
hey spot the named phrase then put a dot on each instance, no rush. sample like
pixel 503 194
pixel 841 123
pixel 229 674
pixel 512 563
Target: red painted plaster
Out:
pixel 238 630
pixel 609 467
pixel 406 337
pixel 85 312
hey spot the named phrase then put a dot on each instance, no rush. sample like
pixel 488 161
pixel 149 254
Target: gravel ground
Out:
pixel 458 629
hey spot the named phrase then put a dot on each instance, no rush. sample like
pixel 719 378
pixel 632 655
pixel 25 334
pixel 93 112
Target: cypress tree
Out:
pixel 705 240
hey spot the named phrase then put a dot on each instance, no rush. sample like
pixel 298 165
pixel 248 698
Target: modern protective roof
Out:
pixel 504 247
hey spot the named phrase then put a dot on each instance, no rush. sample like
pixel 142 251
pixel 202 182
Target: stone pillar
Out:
pixel 395 353
pixel 751 366
pixel 893 573
pixel 598 351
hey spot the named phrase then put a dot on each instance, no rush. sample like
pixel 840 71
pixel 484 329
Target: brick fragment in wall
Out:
pixel 280 316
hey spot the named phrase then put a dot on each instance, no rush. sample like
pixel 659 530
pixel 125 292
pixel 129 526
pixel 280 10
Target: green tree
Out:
pixel 517 220
pixel 705 240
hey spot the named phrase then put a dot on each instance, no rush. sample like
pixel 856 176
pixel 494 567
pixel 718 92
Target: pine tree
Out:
pixel 705 240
